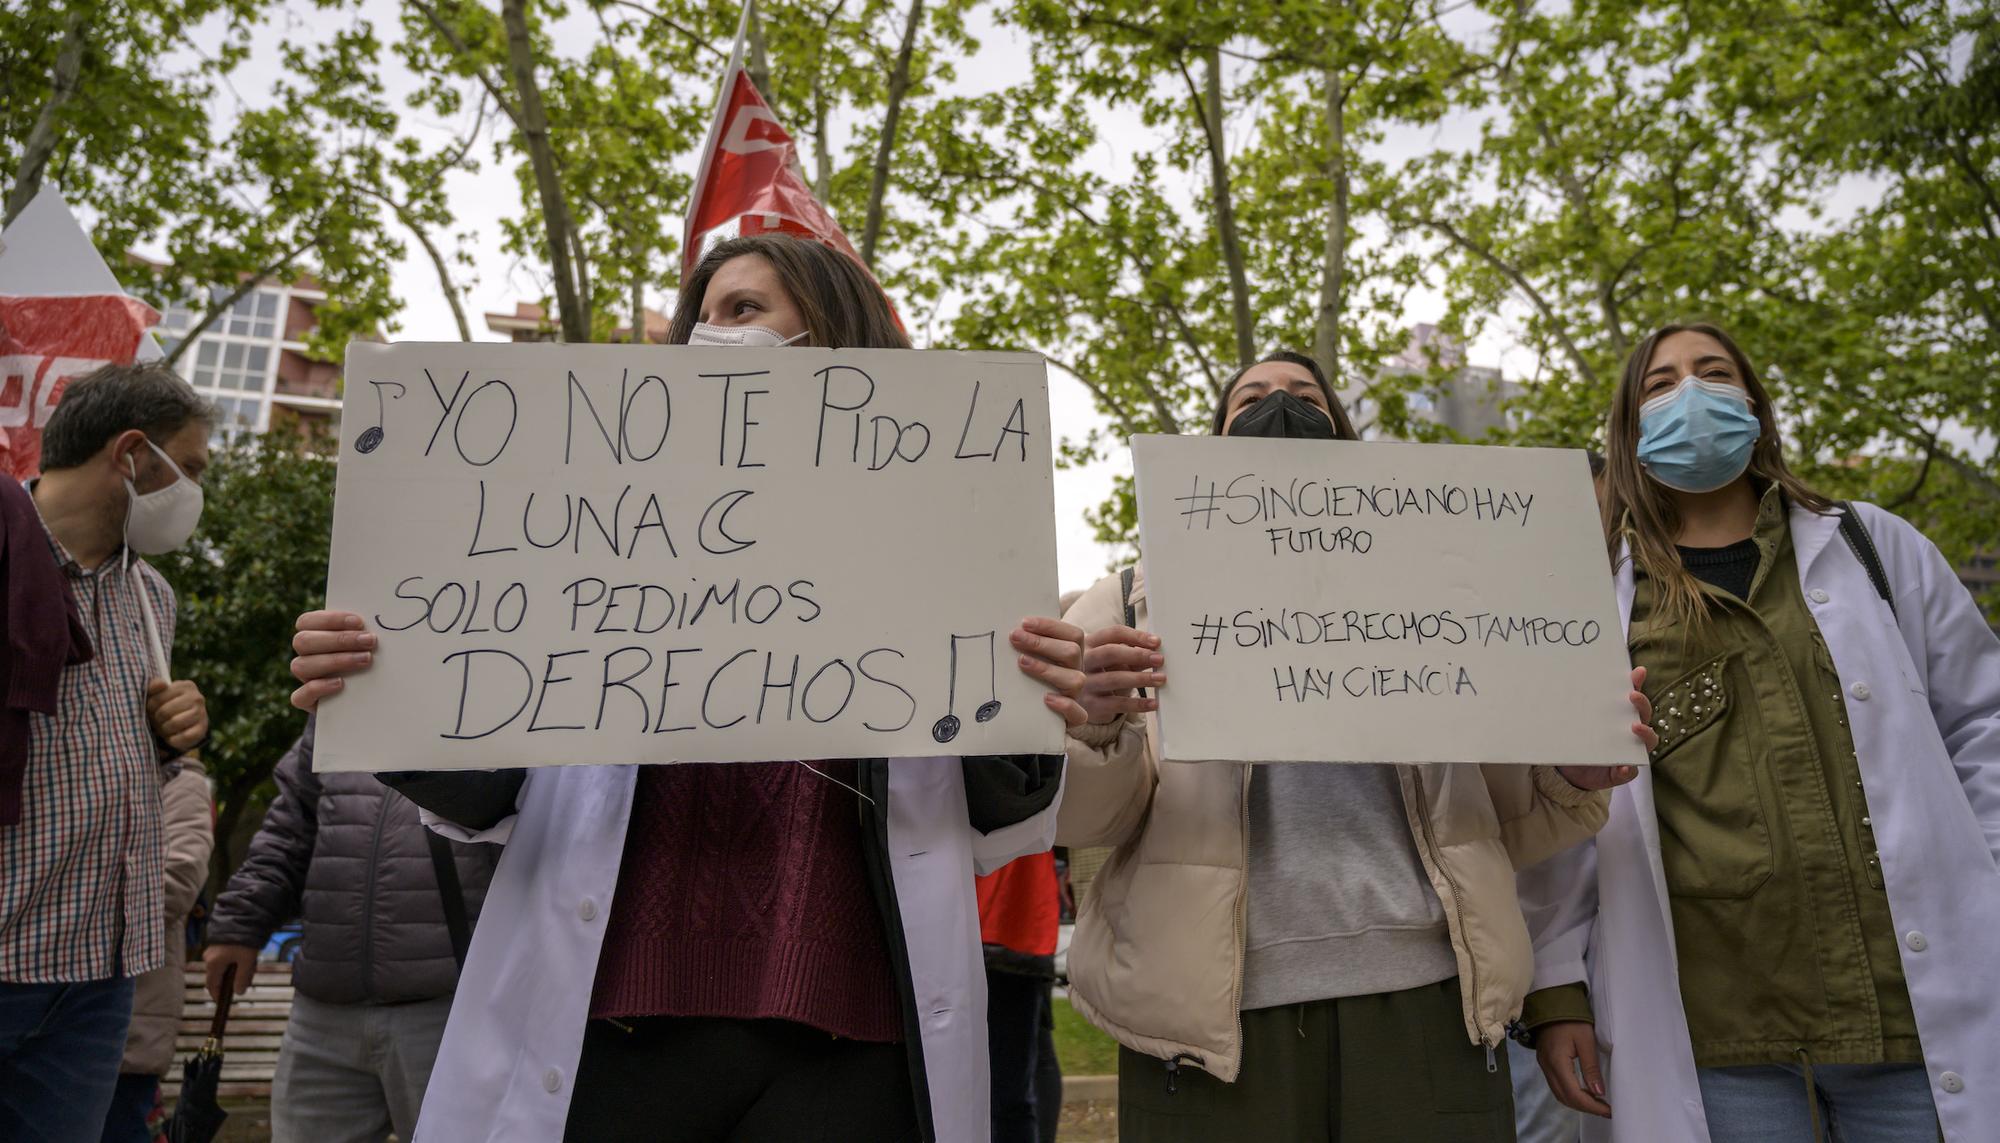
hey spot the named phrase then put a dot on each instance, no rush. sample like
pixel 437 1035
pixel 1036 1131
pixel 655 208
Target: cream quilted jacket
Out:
pixel 1157 956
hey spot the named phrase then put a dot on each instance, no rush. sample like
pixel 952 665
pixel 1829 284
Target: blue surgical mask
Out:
pixel 1698 437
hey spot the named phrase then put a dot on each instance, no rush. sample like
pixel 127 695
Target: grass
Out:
pixel 1083 1050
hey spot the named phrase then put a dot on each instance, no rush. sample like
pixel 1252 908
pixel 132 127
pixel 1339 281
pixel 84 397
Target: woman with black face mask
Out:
pixel 1297 951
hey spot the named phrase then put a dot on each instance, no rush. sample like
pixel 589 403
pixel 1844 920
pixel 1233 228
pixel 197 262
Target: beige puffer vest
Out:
pixel 1157 956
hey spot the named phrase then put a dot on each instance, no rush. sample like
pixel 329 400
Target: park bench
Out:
pixel 256 1024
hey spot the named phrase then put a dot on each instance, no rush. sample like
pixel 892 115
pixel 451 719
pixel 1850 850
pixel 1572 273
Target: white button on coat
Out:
pixel 1818 595
pixel 1916 941
pixel 552 1081
pixel 587 910
pixel 1952 1082
pixel 1860 691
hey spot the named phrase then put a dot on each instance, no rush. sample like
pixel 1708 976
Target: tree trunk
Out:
pixel 41 142
pixel 1333 277
pixel 638 309
pixel 229 812
pixel 556 222
pixel 1225 210
pixel 580 258
pixel 899 85
pixel 822 157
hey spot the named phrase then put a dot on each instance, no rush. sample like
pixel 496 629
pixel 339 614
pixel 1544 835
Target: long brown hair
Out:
pixel 1343 427
pixel 842 306
pixel 1641 511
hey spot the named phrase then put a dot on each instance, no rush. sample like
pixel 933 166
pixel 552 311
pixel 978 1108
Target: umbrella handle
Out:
pixel 221 1018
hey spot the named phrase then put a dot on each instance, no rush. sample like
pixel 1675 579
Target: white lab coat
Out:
pixel 510 1050
pixel 1923 701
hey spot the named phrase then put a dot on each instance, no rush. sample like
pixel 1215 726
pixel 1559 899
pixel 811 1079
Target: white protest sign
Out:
pixel 610 554
pixel 1342 602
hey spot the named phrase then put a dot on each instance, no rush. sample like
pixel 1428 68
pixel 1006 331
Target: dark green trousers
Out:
pixel 1387 1068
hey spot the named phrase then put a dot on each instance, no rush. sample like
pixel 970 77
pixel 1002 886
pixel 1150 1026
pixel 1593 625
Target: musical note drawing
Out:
pixel 946 728
pixel 371 437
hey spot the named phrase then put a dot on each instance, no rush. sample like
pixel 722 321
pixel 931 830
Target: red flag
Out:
pixel 749 181
pixel 43 343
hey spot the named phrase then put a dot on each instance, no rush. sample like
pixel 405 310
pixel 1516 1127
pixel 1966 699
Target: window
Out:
pixel 255 314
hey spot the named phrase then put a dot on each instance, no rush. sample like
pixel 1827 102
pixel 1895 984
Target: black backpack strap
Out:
pixel 452 895
pixel 1125 594
pixel 1863 545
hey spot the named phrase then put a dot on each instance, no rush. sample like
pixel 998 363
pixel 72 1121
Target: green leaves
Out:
pixel 257 562
pixel 1823 178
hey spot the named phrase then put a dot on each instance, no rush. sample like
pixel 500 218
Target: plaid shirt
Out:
pixel 82 875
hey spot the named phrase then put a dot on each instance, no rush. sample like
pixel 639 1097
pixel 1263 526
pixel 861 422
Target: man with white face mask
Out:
pixel 81 873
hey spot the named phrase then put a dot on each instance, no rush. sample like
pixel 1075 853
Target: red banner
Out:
pixel 43 343
pixel 750 177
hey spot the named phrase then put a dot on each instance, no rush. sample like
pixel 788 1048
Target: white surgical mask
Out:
pixel 739 335
pixel 162 520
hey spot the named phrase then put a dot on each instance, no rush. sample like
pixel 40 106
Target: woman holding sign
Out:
pixel 1298 951
pixel 754 951
pixel 1792 918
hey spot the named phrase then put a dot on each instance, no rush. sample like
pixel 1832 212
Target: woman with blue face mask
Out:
pixel 1786 930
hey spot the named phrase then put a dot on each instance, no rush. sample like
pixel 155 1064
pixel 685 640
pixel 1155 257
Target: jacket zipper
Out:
pixel 368 895
pixel 1242 903
pixel 1457 909
pixel 1173 1065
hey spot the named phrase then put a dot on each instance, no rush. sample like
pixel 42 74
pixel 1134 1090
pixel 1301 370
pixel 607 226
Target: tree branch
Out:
pixel 1103 396
pixel 464 50
pixel 1923 474
pixel 899 86
pixel 249 283
pixel 41 141
pixel 658 17
pixel 559 229
pixel 1485 254
pixel 1207 104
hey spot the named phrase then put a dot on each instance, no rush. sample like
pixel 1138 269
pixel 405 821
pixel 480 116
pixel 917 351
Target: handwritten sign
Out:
pixel 610 554
pixel 1381 603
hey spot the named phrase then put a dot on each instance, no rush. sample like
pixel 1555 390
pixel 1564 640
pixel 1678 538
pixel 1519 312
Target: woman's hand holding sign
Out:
pixel 1052 654
pixel 328 646
pixel 1117 661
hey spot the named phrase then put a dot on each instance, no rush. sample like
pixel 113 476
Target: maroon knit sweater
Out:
pixel 742 895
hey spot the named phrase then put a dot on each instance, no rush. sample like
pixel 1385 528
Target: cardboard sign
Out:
pixel 612 554
pixel 1339 602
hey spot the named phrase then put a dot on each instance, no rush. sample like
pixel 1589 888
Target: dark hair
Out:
pixel 1642 512
pixel 116 398
pixel 1343 428
pixel 842 306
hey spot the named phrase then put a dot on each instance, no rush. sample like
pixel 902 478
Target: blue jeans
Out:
pixel 133 1101
pixel 1858 1103
pixel 60 1046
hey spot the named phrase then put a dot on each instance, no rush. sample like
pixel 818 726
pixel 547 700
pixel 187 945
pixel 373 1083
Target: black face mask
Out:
pixel 1283 415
